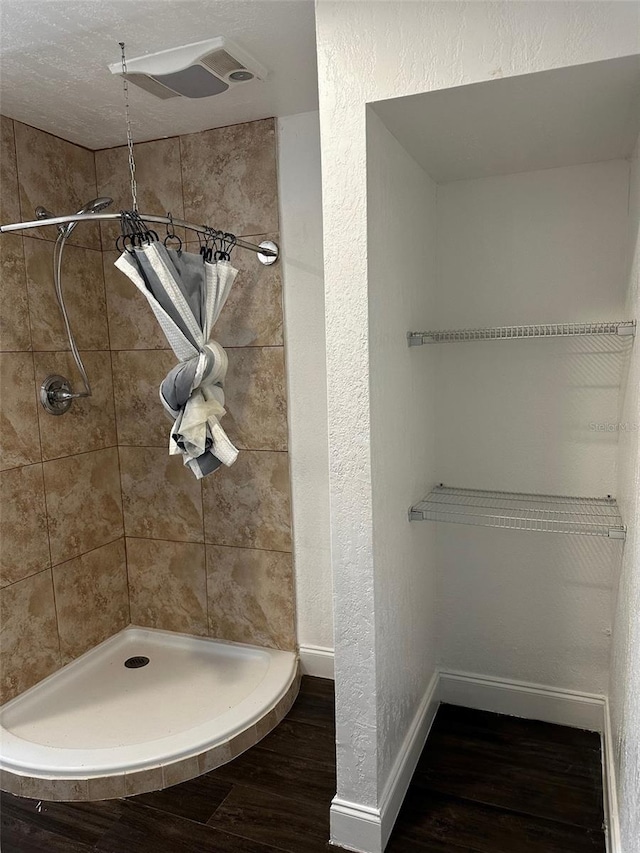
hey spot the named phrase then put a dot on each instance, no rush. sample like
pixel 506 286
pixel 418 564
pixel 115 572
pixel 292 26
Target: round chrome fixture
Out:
pixel 267 260
pixel 56 394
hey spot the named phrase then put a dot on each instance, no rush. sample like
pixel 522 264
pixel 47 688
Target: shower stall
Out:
pixel 148 619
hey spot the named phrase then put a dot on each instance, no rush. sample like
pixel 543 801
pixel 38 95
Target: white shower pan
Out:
pixel 98 729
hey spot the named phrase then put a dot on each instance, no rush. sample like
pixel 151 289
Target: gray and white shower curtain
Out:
pixel 187 294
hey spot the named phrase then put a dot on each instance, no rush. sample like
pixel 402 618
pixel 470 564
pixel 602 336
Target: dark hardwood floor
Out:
pixel 484 784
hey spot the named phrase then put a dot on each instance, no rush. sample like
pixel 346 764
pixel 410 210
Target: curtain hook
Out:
pixel 171 233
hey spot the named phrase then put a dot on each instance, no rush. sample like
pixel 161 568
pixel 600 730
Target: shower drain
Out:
pixel 136 662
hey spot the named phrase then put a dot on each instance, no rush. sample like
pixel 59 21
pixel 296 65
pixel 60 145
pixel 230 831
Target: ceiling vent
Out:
pixel 196 70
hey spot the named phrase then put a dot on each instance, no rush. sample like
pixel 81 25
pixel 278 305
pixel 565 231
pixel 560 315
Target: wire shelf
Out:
pixel 519 511
pixel 504 333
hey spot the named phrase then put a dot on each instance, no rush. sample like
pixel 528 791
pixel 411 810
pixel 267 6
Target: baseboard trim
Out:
pixel 523 699
pixel 317 661
pixel 404 766
pixel 365 829
pixel 610 791
pixel 355 827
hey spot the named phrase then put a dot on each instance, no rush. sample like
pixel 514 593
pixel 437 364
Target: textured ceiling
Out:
pixel 579 114
pixel 54 56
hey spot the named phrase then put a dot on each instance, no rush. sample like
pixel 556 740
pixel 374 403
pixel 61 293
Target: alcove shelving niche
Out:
pixel 514 510
pixel 502 278
pixel 524 213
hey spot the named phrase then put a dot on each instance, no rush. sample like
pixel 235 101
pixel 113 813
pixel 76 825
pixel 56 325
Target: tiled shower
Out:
pixel 100 528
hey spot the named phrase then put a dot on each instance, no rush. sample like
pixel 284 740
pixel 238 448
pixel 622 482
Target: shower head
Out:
pixel 93 206
pixel 96 205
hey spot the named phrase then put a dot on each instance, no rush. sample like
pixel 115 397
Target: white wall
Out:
pixel 300 194
pixel 401 201
pixel 534 247
pixel 369 51
pixel 625 676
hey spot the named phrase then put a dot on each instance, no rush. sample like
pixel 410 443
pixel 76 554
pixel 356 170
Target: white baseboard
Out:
pixel 537 702
pixel 611 817
pixel 405 764
pixel 366 829
pixel 355 827
pixel 523 699
pixel 317 660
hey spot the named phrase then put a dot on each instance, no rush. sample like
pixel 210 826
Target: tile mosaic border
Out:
pixel 154 778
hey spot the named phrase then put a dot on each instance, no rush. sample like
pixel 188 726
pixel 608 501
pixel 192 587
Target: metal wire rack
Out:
pixel 503 333
pixel 519 511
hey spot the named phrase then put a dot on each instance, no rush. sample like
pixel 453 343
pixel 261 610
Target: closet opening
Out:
pixel 502 326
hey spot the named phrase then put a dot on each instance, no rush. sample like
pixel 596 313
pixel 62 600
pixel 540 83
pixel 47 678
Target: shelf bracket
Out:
pixel 627 328
pixel 415 515
pixel 617 533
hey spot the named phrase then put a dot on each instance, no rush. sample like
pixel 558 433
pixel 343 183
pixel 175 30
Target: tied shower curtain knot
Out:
pixel 187 293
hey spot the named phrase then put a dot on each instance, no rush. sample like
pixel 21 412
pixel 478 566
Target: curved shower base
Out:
pixel 110 724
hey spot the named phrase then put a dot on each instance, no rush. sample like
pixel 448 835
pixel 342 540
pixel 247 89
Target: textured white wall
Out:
pixel 401 201
pixel 546 246
pixel 526 606
pixel 625 675
pixel 300 194
pixel 534 247
pixel 369 51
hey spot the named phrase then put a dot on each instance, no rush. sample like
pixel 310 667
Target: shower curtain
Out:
pixel 187 294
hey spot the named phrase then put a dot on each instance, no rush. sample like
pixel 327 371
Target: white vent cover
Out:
pixel 196 70
pixel 152 86
pixel 221 63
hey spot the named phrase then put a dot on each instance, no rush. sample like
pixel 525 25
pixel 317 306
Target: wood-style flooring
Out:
pixel 485 784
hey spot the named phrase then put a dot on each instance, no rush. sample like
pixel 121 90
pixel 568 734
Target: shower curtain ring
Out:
pixel 171 233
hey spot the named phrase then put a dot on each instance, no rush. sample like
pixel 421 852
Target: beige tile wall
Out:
pixel 180 578
pixel 62 567
pixel 211 557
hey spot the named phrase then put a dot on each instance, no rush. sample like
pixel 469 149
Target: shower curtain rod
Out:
pixel 267 251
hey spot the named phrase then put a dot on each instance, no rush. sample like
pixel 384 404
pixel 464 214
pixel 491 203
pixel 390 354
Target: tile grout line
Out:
pixel 15 151
pixel 184 208
pixel 79 453
pixel 43 239
pixel 53 565
pixel 95 183
pixel 213 544
pixel 206 560
pixel 202 490
pixel 47 516
pixel 55 608
pixel 124 532
pixel 117 445
pixel 142 349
